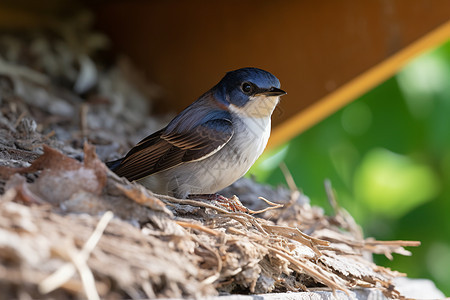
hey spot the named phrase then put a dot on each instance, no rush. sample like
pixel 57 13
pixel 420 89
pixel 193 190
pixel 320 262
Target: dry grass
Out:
pixel 177 247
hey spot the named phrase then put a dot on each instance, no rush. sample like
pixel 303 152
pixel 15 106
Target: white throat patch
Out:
pixel 257 107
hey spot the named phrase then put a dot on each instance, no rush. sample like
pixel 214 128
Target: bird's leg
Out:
pixel 231 204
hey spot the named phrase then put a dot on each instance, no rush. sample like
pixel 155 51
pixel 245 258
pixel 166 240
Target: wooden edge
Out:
pixel 355 88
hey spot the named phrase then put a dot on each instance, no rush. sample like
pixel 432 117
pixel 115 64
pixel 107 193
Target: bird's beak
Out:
pixel 273 91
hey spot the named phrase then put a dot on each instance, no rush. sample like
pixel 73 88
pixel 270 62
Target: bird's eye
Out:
pixel 247 88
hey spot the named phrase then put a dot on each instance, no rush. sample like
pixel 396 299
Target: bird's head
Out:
pixel 250 92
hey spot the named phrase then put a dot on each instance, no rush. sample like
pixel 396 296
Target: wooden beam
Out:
pixel 356 87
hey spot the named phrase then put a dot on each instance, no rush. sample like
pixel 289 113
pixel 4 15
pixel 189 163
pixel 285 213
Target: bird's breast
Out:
pixel 249 140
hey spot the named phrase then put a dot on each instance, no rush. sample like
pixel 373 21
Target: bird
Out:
pixel 211 143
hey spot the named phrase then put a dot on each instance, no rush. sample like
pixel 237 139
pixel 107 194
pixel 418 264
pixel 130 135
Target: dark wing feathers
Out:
pixel 211 138
pixel 147 142
pixel 164 150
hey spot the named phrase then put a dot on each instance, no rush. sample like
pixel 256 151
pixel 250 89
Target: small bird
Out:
pixel 211 143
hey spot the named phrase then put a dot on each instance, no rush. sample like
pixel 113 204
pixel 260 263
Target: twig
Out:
pixel 295 192
pixel 19 118
pixel 67 270
pixel 192 202
pixel 49 135
pixel 219 209
pixel 291 232
pixel 272 206
pixel 331 197
pixel 398 243
pixel 84 108
pixel 87 278
pixel 288 177
pixel 198 227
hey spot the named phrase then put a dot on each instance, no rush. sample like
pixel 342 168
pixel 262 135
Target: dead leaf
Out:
pixel 60 177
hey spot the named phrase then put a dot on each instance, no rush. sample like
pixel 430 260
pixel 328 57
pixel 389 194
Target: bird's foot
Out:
pixel 232 204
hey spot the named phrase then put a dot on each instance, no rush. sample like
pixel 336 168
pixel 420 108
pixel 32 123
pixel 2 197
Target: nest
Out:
pixel 71 228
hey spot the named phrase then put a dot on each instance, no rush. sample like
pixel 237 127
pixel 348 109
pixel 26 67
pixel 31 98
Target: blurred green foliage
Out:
pixel 387 155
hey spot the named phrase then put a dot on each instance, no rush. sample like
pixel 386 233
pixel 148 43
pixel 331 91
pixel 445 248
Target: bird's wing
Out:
pixel 166 149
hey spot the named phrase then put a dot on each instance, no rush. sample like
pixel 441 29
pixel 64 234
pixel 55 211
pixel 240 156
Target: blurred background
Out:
pixel 368 102
pixel 387 155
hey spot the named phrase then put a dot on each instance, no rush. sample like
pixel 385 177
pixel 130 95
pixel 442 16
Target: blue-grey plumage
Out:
pixel 210 144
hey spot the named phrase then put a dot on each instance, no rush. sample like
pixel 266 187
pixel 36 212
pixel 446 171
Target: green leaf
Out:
pixel 392 185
